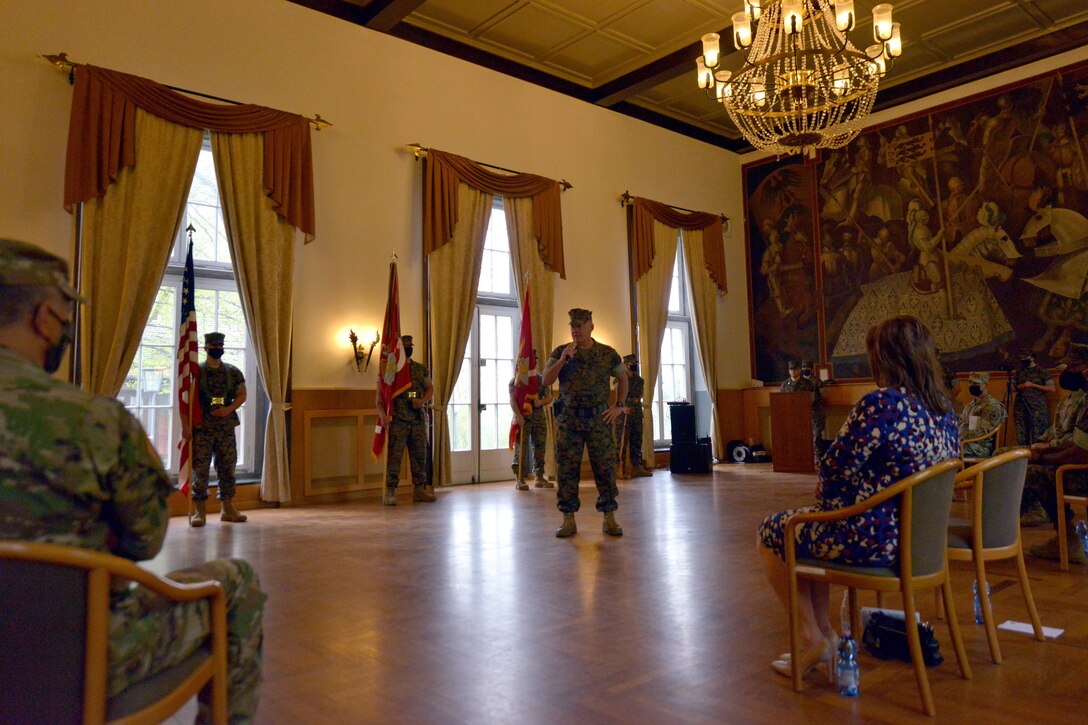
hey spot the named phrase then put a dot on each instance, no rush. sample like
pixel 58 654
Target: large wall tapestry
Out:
pixel 970 216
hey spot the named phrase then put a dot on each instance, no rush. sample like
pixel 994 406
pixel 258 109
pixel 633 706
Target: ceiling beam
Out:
pixel 389 13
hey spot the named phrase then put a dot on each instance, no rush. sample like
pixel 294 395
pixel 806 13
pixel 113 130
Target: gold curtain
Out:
pixel 652 293
pixel 445 173
pixel 454 276
pixel 645 212
pixel 529 265
pixel 102 142
pixel 704 300
pixel 128 231
pixel 263 252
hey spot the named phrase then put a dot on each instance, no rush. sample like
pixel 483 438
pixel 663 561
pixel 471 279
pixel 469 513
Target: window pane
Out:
pixel 495 270
pixel 504 337
pixel 487 337
pixel 204 190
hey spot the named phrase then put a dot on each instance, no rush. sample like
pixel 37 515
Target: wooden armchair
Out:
pixel 994 433
pixel 995 486
pixel 54 640
pixel 925 499
pixel 1063 499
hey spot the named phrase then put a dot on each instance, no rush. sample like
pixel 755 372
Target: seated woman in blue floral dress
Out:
pixel 904 426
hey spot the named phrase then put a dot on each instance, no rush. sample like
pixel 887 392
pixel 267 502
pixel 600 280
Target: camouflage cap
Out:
pixel 406 340
pixel 578 316
pixel 792 365
pixel 806 363
pixel 214 338
pixel 26 264
pixel 978 378
pixel 1077 354
pixel 630 359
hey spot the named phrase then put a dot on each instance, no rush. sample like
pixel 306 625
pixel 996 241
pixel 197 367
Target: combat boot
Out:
pixel 390 497
pixel 232 514
pixel 521 485
pixel 421 493
pixel 569 528
pixel 642 471
pixel 200 517
pixel 543 482
pixel 610 526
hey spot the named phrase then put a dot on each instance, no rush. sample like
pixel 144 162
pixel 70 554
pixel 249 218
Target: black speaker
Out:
pixel 690 457
pixel 683 422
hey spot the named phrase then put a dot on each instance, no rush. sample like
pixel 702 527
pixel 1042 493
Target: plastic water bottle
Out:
pixel 1082 534
pixel 846 665
pixel 978 603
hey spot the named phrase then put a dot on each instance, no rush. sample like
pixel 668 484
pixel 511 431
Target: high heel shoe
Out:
pixel 823 654
pixel 832 643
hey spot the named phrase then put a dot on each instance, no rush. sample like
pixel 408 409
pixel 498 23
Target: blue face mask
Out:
pixel 408 350
pixel 215 353
pixel 975 390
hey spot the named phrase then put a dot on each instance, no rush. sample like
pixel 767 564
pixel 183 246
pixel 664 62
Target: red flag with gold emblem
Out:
pixel 526 381
pixel 394 375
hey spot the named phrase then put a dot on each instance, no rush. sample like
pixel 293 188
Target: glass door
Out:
pixel 480 406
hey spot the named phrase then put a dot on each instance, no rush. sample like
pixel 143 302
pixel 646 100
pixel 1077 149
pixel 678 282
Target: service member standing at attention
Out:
pixel 1032 384
pixel 409 428
pixel 629 424
pixel 583 368
pixel 221 389
pixel 534 437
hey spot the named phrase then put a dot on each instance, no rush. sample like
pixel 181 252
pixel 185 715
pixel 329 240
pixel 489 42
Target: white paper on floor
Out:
pixel 1026 628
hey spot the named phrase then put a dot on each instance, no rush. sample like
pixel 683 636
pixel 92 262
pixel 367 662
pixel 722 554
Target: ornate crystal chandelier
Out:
pixel 804 85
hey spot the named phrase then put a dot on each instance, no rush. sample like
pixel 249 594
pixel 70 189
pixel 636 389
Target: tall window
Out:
pixel 149 391
pixel 674 381
pixel 496 343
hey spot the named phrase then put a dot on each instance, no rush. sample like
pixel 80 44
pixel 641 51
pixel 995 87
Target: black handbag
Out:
pixel 885 637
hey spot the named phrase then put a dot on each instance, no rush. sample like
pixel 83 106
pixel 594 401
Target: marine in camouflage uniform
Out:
pixel 583 369
pixel 981 415
pixel 408 428
pixel 802 380
pixel 221 390
pixel 77 469
pixel 535 434
pixel 1029 411
pixel 629 425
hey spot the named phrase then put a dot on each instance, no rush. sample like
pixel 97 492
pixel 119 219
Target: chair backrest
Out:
pixel 42 642
pixel 928 514
pixel 1002 489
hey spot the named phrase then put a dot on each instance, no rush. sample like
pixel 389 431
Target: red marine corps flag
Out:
pixel 394 375
pixel 526 381
pixel 188 409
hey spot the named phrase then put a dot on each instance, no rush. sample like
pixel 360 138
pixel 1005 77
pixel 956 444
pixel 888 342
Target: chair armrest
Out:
pixel 991 434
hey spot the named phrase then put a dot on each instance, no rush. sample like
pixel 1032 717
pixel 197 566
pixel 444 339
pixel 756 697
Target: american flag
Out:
pixel 187 370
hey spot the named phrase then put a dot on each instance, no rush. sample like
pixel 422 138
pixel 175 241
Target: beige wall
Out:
pixel 380 93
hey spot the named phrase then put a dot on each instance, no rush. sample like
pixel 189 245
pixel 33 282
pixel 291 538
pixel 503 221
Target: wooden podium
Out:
pixel 791 432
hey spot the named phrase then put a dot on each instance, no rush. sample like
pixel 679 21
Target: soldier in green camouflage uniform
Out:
pixel 629 425
pixel 583 369
pixel 535 434
pixel 1030 412
pixel 409 429
pixel 1039 504
pixel 801 379
pixel 221 390
pixel 77 469
pixel 981 415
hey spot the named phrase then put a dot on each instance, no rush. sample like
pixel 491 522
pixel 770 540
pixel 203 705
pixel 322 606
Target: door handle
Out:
pixel 481 406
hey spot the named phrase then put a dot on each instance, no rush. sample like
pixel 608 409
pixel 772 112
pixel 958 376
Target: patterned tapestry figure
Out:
pixel 583 369
pixel 980 416
pixel 221 389
pixel 535 438
pixel 408 429
pixel 1030 412
pixel 98 484
pixel 629 425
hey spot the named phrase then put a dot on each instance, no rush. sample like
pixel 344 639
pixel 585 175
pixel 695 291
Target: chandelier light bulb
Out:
pixel 721 81
pixel 792 16
pixel 706 78
pixel 894 47
pixel 876 59
pixel 742 31
pixel 710 50
pixel 759 94
pixel 753 9
pixel 882 22
pixel 844 15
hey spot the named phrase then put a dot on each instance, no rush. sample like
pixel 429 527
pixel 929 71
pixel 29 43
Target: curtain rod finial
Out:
pixel 318 122
pixel 566 185
pixel 625 198
pixel 418 150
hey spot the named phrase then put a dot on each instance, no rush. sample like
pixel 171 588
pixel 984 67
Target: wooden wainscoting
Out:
pixel 343 420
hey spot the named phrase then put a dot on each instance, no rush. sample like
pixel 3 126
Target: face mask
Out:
pixel 215 353
pixel 1025 363
pixel 56 351
pixel 408 351
pixel 633 369
pixel 1070 380
pixel 806 372
pixel 975 390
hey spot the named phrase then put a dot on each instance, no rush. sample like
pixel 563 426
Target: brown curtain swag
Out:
pixel 101 138
pixel 444 171
pixel 643 214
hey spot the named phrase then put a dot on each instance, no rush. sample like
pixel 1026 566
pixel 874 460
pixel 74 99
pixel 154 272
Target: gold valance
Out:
pixel 643 214
pixel 444 171
pixel 101 140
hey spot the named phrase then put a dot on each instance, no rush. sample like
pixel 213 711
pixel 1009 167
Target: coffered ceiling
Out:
pixel 637 57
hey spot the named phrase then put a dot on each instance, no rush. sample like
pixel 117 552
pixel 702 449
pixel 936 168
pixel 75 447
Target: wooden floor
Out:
pixel 469 610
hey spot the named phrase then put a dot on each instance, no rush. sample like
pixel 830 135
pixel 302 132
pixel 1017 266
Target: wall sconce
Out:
pixel 359 357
